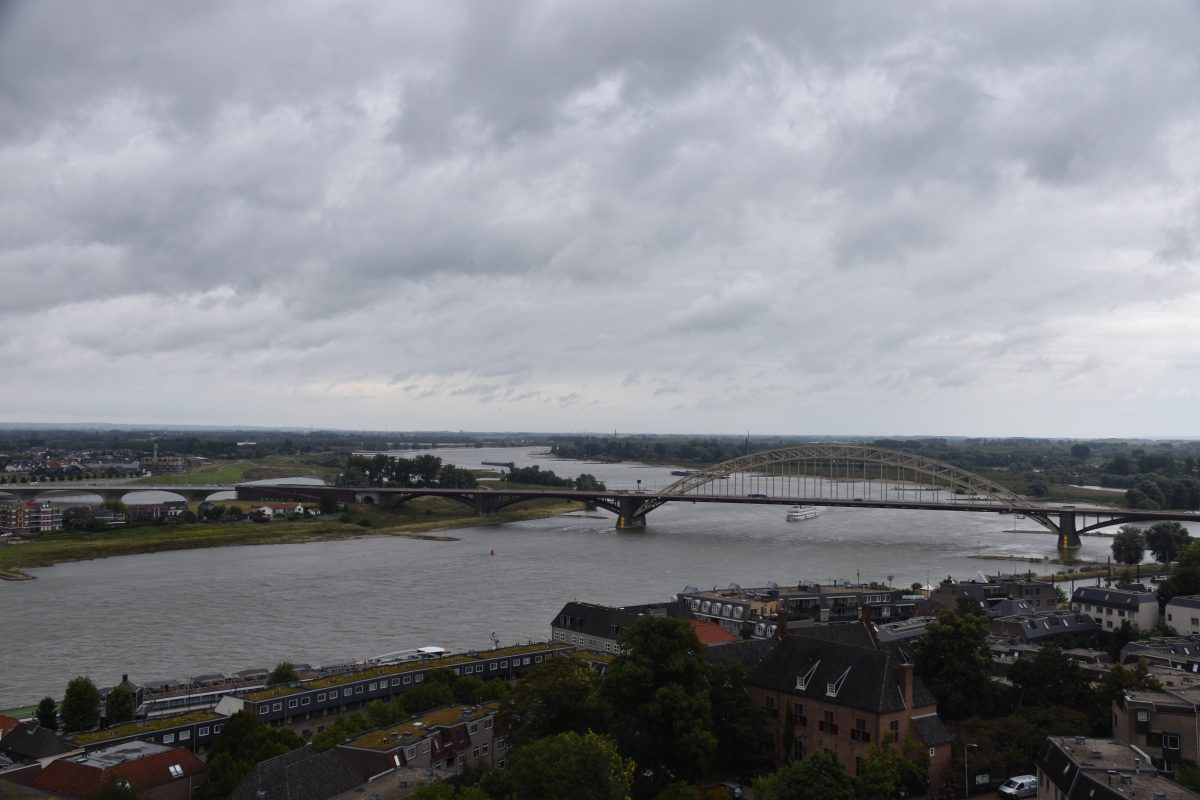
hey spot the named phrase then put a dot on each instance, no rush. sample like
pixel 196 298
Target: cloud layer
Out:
pixel 680 216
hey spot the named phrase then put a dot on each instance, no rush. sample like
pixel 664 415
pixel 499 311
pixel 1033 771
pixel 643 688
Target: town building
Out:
pixel 1110 606
pixel 836 688
pixel 755 613
pixel 1183 614
pixel 29 742
pixel 596 627
pixel 1163 724
pixel 152 771
pixel 1038 595
pixel 1045 626
pixel 30 516
pixel 455 739
pixel 1100 769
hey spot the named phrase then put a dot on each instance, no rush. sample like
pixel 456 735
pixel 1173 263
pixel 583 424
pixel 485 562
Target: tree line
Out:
pixel 424 470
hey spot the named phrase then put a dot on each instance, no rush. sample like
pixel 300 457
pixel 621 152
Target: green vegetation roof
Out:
pixel 145 726
pixel 400 669
pixel 412 730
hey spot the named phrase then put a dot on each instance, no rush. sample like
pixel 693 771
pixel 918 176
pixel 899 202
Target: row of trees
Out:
pixel 422 470
pixel 1165 540
pixel 534 476
pixel 80 707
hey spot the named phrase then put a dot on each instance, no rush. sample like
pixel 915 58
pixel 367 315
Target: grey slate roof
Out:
pixel 750 652
pixel 869 677
pixel 932 730
pixel 1112 598
pixel 299 775
pixel 1185 601
pixel 30 741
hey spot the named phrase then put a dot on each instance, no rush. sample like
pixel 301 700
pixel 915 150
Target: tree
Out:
pixel 954 660
pixel 47 713
pixel 656 698
pixel 738 723
pixel 1117 681
pixel 1051 679
pixel 284 672
pixel 120 705
pixel 554 697
pixel 329 504
pixel 890 770
pixel 1080 451
pixel 1185 577
pixel 818 776
pixel 243 742
pixel 569 765
pixel 80 709
pixel 1166 539
pixel 1129 546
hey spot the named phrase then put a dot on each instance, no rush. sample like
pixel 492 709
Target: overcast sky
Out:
pixel 830 218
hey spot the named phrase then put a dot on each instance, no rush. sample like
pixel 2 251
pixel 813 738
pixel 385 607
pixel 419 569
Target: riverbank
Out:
pixel 421 519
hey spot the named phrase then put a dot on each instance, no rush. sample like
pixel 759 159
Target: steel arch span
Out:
pixel 832 471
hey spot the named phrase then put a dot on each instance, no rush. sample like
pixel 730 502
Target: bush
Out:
pixel 366 523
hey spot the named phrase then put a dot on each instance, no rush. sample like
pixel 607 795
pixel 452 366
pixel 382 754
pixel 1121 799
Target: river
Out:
pixel 175 614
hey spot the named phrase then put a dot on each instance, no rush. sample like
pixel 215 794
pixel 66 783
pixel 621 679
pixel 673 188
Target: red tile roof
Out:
pixel 70 778
pixel 711 632
pixel 7 724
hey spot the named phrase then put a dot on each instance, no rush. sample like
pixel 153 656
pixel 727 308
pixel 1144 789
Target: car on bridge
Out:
pixel 757 496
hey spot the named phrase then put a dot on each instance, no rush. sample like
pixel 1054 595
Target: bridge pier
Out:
pixel 1068 536
pixel 630 518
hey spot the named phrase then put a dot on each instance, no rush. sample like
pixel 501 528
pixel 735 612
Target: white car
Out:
pixel 1019 786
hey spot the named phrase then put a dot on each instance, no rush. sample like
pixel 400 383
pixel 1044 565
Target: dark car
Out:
pixel 757 495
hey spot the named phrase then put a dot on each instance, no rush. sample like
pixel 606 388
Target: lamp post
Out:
pixel 966 770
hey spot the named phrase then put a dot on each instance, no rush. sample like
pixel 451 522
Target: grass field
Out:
pixel 420 518
pixel 246 470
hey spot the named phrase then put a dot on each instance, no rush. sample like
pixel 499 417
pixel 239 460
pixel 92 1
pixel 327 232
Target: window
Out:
pixel 217 728
pixel 1195 621
pixel 485 749
pixel 347 692
pixel 185 735
pixel 1170 741
pixel 475 752
pixel 321 697
pixel 305 700
pixel 473 728
pixel 802 680
pixel 277 706
pixel 168 738
pixel 292 703
pixel 833 687
pixel 395 681
pixel 537 659
pixel 176 770
pixel 894 727
pixel 419 678
pixel 203 731
pixel 492 666
pixel 503 664
pixel 1143 715
pixel 487 724
pixel 407 679
pixel 372 686
pixel 525 661
pixel 425 746
pixel 358 689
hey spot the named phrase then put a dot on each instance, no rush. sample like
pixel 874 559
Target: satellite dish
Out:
pixel 772 585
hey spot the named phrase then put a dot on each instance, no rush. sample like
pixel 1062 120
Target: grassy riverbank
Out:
pixel 419 519
pixel 247 470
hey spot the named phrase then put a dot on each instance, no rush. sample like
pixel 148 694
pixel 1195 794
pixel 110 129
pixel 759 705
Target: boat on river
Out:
pixel 801 513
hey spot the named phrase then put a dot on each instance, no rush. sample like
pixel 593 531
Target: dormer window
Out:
pixel 833 687
pixel 802 681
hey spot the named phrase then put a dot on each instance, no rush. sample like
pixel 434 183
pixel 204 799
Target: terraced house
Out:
pixel 301 706
pixel 456 738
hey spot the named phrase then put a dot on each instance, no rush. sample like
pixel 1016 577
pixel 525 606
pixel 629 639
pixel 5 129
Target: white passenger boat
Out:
pixel 801 513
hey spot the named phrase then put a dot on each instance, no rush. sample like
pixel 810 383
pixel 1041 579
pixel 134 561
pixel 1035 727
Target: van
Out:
pixel 735 789
pixel 1019 786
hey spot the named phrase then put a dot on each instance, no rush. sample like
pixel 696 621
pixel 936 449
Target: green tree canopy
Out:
pixel 243 742
pixel 120 705
pixel 655 696
pixel 738 723
pixel 553 697
pixel 954 660
pixel 1117 681
pixel 1129 546
pixel 1185 577
pixel 47 713
pixel 818 776
pixel 566 766
pixel 80 709
pixel 284 672
pixel 1166 539
pixel 891 770
pixel 1051 679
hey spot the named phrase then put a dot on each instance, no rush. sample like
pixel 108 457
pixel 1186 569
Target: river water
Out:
pixel 176 614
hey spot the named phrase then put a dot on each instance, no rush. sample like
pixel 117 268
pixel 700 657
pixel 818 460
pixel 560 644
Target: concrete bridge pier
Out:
pixel 486 504
pixel 629 518
pixel 1068 536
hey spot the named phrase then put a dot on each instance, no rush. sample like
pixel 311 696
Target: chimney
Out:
pixel 906 684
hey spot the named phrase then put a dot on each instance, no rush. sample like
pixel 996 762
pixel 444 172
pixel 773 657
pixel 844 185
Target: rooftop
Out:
pixel 145 726
pixel 412 730
pixel 399 669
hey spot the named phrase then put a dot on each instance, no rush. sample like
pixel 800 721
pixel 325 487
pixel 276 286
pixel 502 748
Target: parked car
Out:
pixel 757 495
pixel 735 789
pixel 1019 786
